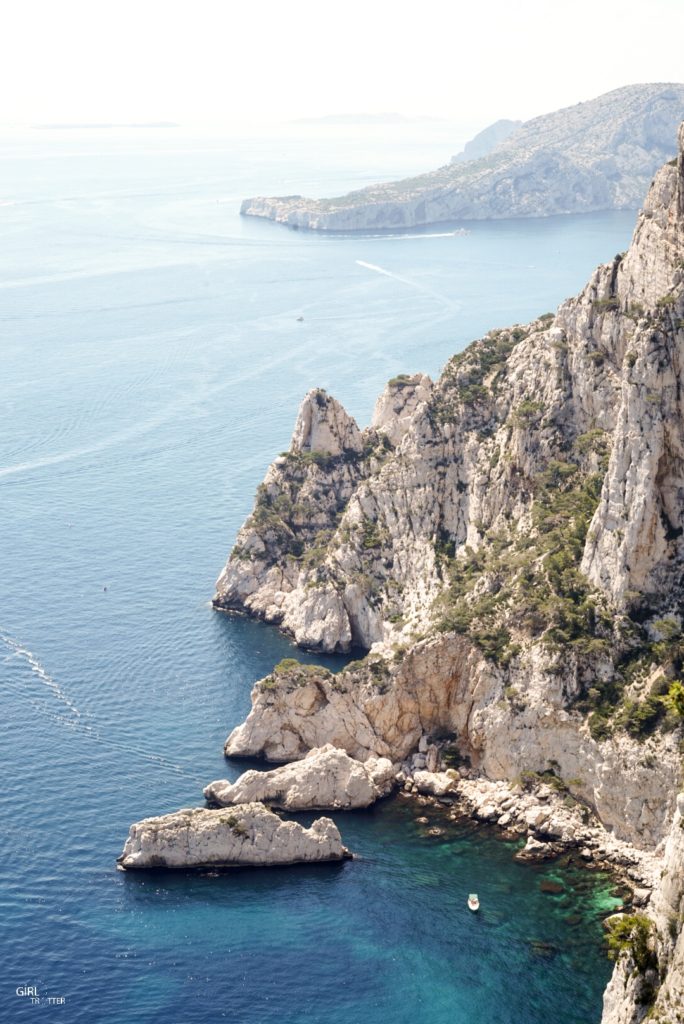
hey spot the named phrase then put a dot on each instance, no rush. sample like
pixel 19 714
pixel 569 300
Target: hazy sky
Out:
pixel 228 60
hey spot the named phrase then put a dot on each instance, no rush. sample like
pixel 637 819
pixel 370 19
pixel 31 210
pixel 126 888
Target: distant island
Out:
pixel 389 118
pixel 67 126
pixel 598 155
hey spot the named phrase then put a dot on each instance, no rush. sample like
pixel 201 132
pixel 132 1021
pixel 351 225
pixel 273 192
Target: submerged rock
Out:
pixel 549 886
pixel 326 778
pixel 250 835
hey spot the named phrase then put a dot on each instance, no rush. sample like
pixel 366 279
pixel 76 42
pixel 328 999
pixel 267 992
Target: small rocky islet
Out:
pixel 507 543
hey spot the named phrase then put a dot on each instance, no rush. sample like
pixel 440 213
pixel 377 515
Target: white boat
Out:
pixel 473 902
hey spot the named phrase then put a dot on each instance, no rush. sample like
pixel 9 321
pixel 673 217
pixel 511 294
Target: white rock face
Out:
pixel 635 542
pixel 593 156
pixel 623 999
pixel 323 426
pixel 325 779
pixel 247 835
pixel 298 508
pixel 444 685
pixel 397 405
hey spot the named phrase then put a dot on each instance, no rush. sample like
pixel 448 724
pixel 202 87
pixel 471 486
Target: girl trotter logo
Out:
pixel 31 992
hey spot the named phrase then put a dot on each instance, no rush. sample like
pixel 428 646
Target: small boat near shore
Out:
pixel 473 902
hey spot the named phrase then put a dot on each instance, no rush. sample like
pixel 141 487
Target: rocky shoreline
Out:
pixel 538 809
pixel 540 814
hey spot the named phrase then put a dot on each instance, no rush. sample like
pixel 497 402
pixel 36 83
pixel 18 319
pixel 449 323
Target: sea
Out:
pixel 153 358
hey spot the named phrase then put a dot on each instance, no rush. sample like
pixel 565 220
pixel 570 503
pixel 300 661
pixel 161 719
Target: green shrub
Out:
pixel 594 441
pixel 286 665
pixel 674 700
pixel 631 934
pixel 470 394
pixel 372 534
pixel 607 305
pixel 639 718
pixel 527 411
pixel 668 628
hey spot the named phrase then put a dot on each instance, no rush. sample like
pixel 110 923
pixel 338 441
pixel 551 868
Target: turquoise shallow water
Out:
pixel 152 364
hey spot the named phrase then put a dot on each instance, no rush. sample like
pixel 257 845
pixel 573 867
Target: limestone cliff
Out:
pixel 658 991
pixel 593 156
pixel 499 466
pixel 509 544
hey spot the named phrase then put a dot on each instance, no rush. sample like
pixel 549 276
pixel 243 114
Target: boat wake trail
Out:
pixel 381 270
pixel 17 650
pixel 451 303
pixel 65 714
pixel 417 237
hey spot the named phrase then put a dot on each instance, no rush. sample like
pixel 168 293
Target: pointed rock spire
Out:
pixel 323 425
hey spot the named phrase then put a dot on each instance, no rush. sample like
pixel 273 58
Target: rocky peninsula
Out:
pixel 598 155
pixel 507 543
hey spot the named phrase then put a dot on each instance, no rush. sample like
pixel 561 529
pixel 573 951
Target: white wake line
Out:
pixel 451 303
pixel 104 739
pixel 396 238
pixel 75 719
pixel 381 270
pixel 38 670
pixel 163 416
pixel 107 442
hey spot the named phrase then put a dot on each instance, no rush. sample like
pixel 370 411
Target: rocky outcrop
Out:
pixel 280 550
pixel 554 823
pixel 325 779
pixel 507 543
pixel 397 405
pixel 248 835
pixel 444 686
pixel 593 156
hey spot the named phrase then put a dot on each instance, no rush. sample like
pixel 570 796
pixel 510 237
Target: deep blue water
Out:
pixel 152 365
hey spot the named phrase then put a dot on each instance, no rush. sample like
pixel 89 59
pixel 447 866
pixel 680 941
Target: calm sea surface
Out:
pixel 152 366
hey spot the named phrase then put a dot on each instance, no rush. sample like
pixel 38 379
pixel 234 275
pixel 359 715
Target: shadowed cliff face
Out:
pixel 509 541
pixel 593 156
